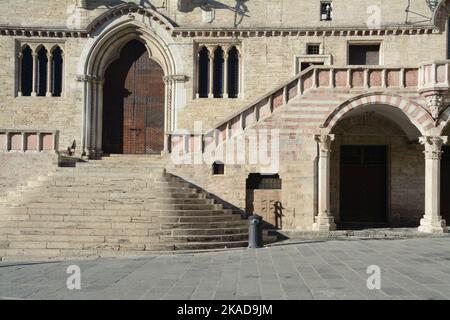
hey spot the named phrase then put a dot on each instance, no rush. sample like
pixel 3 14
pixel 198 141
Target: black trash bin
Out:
pixel 255 236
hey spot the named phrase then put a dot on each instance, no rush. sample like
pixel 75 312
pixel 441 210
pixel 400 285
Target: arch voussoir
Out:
pixel 417 115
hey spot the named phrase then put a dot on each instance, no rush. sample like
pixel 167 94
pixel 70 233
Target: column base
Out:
pixel 324 223
pixel 433 226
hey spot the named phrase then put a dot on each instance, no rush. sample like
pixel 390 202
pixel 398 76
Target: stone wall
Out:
pixel 273 13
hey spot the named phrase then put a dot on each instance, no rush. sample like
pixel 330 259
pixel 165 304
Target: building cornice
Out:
pixel 298 32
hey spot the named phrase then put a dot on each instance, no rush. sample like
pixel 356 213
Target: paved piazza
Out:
pixel 410 269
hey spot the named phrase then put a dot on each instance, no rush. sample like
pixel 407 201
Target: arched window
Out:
pixel 42 60
pixel 26 72
pixel 203 70
pixel 233 73
pixel 57 72
pixel 218 72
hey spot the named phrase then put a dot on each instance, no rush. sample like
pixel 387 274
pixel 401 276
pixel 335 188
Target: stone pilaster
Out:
pixel 432 221
pixel 324 220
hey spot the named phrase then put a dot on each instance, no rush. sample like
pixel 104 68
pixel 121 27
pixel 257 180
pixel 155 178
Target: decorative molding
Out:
pixel 436 104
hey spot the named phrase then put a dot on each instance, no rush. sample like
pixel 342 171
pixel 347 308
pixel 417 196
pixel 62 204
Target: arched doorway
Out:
pixel 377 169
pixel 133 103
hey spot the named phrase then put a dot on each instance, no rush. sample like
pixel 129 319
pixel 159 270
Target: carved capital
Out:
pixel 324 141
pixel 436 104
pixel 176 78
pixel 86 78
pixel 433 146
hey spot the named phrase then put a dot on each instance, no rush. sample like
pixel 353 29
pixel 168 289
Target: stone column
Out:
pixel 197 93
pixel 35 74
pixel 225 73
pixel 49 75
pixel 324 220
pixel 432 221
pixel 19 74
pixel 99 116
pixel 211 72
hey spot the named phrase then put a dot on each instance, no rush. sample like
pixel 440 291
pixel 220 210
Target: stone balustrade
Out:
pixel 434 77
pixel 28 141
pixel 318 77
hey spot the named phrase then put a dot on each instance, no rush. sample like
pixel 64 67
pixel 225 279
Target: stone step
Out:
pixel 64 181
pixel 117 188
pixel 112 209
pixel 118 243
pixel 87 198
pixel 186 219
pixel 119 251
pixel 205 231
pixel 92 203
pixel 149 217
pixel 5 231
pixel 84 232
pixel 135 225
pixel 99 173
pixel 205 238
pixel 89 178
pixel 113 171
pixel 181 226
pixel 110 195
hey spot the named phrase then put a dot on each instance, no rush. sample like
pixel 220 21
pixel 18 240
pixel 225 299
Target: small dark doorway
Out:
pixel 363 184
pixel 263 197
pixel 133 103
pixel 445 184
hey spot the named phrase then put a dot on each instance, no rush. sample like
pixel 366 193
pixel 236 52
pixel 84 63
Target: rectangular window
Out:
pixel 325 11
pixel 313 49
pixel 364 54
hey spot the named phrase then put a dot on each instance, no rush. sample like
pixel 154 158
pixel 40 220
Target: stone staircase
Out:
pixel 119 206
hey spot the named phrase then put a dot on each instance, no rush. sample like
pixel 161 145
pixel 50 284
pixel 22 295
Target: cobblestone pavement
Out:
pixel 410 269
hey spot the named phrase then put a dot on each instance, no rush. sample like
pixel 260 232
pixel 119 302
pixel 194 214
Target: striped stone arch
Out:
pixel 415 113
pixel 444 122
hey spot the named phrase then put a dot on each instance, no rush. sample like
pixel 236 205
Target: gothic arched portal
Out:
pixel 133 103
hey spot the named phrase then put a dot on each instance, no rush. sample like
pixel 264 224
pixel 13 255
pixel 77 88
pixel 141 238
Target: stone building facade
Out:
pixel 351 96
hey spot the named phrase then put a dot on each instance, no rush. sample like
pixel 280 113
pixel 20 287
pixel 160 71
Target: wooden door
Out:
pixel 133 116
pixel 363 184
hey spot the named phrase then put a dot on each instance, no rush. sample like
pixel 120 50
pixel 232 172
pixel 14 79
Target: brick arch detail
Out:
pixel 418 116
pixel 444 121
